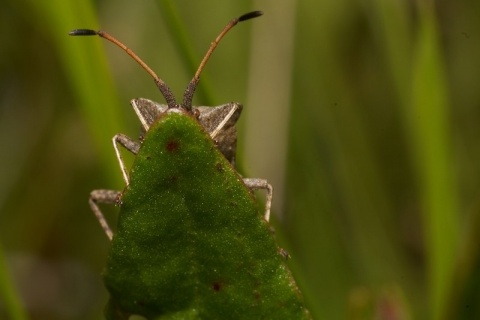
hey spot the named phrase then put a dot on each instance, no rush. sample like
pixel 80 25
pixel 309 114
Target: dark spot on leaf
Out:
pixel 219 167
pixel 173 179
pixel 173 145
pixel 217 286
pixel 148 157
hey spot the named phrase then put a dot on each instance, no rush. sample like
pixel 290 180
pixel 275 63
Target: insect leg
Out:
pixel 103 196
pixel 256 184
pixel 132 146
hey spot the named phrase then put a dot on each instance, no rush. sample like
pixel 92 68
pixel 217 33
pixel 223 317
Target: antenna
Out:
pixel 190 90
pixel 162 86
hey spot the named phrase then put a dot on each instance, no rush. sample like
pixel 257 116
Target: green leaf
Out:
pixel 9 297
pixel 190 239
pixel 430 123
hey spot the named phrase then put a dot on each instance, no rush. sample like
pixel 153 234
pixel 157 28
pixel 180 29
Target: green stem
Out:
pixel 12 303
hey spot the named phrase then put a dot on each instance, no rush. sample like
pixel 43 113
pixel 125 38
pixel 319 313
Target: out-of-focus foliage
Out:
pixel 363 114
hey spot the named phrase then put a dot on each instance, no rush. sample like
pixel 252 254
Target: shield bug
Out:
pixel 190 242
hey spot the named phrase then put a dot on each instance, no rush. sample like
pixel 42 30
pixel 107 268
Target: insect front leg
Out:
pixel 103 196
pixel 261 184
pixel 132 146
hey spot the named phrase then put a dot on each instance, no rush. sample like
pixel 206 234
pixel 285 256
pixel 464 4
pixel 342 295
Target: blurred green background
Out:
pixel 364 115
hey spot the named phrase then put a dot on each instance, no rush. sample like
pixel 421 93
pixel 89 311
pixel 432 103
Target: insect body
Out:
pixel 190 242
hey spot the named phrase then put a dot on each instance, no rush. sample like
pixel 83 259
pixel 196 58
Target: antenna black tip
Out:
pixel 83 32
pixel 250 15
